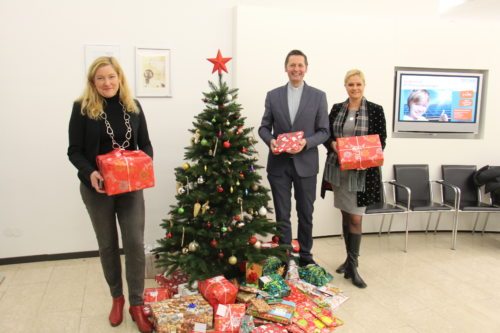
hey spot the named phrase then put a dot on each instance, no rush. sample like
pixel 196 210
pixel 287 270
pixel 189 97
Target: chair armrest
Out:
pixel 456 192
pixel 406 188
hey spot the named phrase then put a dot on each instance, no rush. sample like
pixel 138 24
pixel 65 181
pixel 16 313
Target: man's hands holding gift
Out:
pixel 291 143
pixel 300 147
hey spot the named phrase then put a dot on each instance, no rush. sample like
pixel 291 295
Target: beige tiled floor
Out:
pixel 429 289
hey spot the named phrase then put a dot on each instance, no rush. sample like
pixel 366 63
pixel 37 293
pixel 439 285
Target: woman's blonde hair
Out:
pixel 92 102
pixel 353 72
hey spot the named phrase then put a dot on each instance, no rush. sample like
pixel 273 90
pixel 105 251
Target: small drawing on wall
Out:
pixel 92 52
pixel 152 72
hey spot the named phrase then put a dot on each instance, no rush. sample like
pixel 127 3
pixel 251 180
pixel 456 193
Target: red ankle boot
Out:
pixel 143 323
pixel 116 314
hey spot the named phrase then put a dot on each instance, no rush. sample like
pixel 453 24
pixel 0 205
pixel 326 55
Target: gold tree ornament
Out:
pixel 205 207
pixel 193 246
pixel 196 209
pixel 232 260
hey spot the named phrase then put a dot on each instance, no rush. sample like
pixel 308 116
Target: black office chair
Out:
pixel 469 195
pixel 386 207
pixel 421 198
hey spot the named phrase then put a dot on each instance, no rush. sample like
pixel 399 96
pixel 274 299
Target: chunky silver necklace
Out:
pixel 109 130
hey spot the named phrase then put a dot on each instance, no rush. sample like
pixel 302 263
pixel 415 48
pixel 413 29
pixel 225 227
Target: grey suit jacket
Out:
pixel 312 118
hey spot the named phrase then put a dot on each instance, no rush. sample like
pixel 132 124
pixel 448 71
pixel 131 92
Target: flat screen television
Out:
pixel 438 100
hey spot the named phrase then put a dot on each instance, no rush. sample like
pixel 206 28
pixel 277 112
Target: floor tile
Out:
pixel 428 289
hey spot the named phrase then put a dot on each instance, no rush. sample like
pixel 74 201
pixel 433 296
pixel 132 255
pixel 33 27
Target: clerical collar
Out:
pixel 290 85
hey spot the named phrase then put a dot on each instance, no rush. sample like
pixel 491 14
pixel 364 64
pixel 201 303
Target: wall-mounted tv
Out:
pixel 438 100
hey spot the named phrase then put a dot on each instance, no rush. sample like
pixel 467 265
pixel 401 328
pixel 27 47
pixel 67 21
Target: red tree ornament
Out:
pixel 227 144
pixel 275 239
pixel 219 63
pixel 213 243
pixel 252 240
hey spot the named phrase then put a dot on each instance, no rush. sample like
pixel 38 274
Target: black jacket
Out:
pixel 489 176
pixel 376 125
pixel 84 140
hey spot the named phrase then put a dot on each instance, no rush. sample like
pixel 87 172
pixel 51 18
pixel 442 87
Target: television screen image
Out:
pixel 437 101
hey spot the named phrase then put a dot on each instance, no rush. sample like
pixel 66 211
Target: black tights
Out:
pixel 354 222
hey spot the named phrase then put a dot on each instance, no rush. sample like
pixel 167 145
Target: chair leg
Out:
pixel 454 231
pixel 485 224
pixel 390 225
pixel 406 237
pixel 437 223
pixel 381 225
pixel 428 223
pixel 475 223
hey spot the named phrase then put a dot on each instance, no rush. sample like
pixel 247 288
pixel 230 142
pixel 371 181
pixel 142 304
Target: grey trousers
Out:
pixel 305 195
pixel 128 209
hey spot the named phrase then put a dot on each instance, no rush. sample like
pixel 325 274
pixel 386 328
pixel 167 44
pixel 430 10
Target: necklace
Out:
pixel 109 130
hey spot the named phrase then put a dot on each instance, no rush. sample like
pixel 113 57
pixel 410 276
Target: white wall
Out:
pixel 336 42
pixel 42 72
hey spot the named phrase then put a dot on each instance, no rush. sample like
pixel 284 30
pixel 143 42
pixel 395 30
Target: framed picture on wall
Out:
pixel 92 52
pixel 152 72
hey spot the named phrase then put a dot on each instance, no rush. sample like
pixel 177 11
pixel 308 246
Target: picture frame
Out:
pixel 152 72
pixel 93 51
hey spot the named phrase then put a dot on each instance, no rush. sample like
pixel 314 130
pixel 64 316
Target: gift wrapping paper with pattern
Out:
pixel 178 315
pixel 360 152
pixel 228 317
pixel 172 281
pixel 218 290
pixel 125 171
pixel 287 142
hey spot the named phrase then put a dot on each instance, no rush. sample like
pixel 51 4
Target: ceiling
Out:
pixel 475 9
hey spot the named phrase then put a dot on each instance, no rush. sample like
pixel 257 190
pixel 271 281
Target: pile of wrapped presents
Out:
pixel 267 299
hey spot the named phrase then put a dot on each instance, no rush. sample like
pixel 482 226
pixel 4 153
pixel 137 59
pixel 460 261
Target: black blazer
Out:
pixel 376 125
pixel 84 140
pixel 312 118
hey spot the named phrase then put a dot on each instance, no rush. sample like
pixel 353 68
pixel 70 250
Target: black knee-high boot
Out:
pixel 351 270
pixel 345 231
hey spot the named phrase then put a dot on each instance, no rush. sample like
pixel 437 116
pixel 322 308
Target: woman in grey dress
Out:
pixel 353 189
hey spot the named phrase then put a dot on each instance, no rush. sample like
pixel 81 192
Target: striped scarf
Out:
pixel 332 168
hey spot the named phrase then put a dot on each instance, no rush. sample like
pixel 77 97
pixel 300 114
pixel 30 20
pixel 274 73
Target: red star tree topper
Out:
pixel 219 63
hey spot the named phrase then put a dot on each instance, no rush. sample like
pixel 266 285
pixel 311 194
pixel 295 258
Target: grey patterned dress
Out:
pixel 342 198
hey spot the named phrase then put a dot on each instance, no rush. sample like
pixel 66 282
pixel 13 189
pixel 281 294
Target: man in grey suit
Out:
pixel 290 108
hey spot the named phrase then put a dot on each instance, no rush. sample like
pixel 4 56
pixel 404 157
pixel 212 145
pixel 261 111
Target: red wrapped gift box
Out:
pixel 228 317
pixel 360 152
pixel 287 142
pixel 125 171
pixel 218 290
pixel 172 281
pixel 153 295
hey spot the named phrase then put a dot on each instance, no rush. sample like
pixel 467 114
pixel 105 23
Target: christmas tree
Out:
pixel 221 207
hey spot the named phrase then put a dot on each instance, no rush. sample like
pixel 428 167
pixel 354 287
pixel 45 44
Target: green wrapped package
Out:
pixel 315 274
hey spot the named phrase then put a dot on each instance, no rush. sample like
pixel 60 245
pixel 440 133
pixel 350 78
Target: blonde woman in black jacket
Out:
pixel 107 97
pixel 353 189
